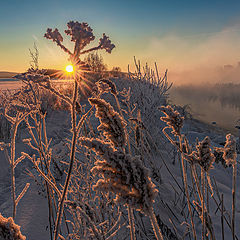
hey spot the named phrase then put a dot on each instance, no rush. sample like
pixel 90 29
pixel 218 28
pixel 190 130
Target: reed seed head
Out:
pixel 229 151
pixel 173 119
pixel 123 175
pixel 204 154
pixel 112 124
pixel 106 85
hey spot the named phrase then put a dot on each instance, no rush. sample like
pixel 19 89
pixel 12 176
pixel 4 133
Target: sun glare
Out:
pixel 69 68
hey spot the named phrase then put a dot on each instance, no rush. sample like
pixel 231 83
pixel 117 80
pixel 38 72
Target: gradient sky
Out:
pixel 177 34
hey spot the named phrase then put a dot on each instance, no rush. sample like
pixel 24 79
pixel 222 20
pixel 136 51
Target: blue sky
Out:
pixel 136 27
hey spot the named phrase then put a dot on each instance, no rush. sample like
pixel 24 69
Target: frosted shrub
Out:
pixel 147 90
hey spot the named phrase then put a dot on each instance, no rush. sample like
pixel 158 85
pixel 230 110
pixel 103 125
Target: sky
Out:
pixel 177 34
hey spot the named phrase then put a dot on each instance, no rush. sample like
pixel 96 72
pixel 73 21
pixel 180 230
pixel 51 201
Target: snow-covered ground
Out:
pixel 170 206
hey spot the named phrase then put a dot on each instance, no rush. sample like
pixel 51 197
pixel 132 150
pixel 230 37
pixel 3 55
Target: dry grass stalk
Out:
pixel 175 123
pixel 205 158
pixel 114 129
pixel 230 156
pixel 15 113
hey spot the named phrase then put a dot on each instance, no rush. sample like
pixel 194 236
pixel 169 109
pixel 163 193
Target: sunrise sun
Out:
pixel 69 68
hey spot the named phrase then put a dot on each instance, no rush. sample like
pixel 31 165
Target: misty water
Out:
pixel 209 110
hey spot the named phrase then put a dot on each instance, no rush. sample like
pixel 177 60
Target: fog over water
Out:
pixel 225 111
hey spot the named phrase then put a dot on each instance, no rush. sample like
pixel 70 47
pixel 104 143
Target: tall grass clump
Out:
pixel 15 112
pixel 202 155
pixel 122 173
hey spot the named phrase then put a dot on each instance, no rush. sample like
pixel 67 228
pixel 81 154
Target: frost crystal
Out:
pixel 9 230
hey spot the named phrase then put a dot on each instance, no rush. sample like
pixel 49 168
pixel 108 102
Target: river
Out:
pixel 209 110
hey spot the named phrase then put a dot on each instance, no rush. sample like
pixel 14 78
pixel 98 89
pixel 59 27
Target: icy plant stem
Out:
pixel 234 198
pixel 72 157
pixel 203 204
pixel 197 182
pixel 186 190
pixel 13 145
pixel 222 218
pixel 156 229
pixel 126 133
pixel 130 210
pixel 131 223
pixel 49 196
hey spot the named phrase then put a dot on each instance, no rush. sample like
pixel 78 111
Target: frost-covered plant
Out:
pixel 125 176
pixel 173 119
pixel 122 173
pixel 148 90
pixel 202 156
pixel 15 110
pixel 112 124
pixel 82 35
pixel 205 158
pixel 229 150
pixel 230 157
pixel 175 123
pixel 9 230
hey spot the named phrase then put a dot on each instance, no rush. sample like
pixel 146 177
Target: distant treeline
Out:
pixel 7 74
